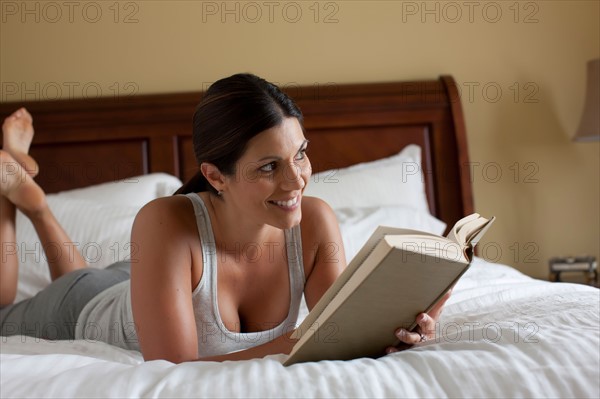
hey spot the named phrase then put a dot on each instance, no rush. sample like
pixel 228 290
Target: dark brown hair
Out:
pixel 232 111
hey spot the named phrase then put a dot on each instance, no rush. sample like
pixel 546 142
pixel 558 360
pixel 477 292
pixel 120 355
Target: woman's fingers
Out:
pixel 425 326
pixel 424 331
pixel 408 337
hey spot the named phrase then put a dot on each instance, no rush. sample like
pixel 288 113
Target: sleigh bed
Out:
pixel 387 153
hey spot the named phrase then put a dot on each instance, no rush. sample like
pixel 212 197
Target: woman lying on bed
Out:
pixel 242 225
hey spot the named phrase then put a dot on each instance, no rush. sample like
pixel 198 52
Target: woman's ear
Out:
pixel 213 175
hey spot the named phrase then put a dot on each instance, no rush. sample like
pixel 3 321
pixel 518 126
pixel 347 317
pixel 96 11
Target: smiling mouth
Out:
pixel 287 204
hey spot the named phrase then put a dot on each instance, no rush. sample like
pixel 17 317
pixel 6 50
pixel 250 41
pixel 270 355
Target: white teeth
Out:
pixel 287 203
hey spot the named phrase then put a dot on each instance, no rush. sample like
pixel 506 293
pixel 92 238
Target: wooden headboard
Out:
pixel 84 142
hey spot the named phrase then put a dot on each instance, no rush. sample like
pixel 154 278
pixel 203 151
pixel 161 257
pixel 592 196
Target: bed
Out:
pixel 403 146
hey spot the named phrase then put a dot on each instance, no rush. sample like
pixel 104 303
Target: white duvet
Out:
pixel 502 334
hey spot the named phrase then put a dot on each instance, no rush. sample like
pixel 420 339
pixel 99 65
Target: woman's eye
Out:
pixel 301 155
pixel 268 167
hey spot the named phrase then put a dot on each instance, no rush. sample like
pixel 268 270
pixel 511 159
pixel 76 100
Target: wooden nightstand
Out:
pixel 577 269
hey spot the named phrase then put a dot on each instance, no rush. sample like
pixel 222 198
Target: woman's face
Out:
pixel 271 176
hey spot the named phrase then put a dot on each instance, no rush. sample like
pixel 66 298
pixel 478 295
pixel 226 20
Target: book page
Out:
pixel 453 234
pixel 476 235
pixel 468 230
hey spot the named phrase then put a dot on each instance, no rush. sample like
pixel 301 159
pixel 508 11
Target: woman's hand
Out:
pixel 425 327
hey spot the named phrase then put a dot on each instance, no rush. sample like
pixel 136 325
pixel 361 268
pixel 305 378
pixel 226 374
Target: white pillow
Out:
pixel 98 219
pixel 100 232
pixel 394 181
pixel 357 224
pixel 137 190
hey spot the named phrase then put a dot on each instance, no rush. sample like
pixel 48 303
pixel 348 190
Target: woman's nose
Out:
pixel 292 178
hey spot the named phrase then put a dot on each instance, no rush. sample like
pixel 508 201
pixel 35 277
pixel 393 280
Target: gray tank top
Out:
pixel 108 316
pixel 213 337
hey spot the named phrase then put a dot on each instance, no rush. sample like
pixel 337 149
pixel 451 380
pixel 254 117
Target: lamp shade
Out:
pixel 589 127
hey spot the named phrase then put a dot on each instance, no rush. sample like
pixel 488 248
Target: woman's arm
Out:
pixel 321 235
pixel 161 292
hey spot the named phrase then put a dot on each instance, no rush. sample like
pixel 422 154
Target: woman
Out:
pixel 241 224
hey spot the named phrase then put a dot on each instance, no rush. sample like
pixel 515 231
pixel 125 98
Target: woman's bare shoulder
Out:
pixel 167 216
pixel 167 204
pixel 319 228
pixel 315 212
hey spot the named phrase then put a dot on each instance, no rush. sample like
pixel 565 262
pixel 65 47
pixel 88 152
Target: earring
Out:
pixel 219 193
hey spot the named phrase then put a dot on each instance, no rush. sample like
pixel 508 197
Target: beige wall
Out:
pixel 547 196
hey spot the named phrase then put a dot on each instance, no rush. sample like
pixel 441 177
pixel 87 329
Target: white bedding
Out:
pixel 502 334
pixel 520 337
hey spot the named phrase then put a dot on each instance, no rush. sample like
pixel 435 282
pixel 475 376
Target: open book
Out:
pixel 397 274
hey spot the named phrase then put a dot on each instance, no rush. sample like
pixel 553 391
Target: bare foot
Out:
pixel 19 187
pixel 17 133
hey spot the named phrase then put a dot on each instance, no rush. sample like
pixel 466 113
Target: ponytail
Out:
pixel 196 184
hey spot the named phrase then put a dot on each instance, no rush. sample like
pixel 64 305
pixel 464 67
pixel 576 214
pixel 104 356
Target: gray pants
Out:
pixel 52 313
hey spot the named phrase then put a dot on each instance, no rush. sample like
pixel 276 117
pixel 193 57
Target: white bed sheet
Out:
pixel 519 337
